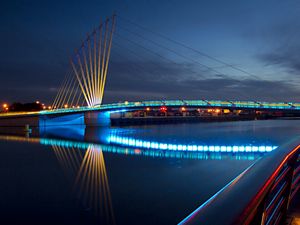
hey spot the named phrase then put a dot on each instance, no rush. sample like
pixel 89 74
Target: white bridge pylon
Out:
pixel 85 82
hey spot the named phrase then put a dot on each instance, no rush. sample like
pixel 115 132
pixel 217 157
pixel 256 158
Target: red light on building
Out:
pixel 163 108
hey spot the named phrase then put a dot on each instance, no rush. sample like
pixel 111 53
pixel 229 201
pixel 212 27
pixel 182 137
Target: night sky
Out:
pixel 260 37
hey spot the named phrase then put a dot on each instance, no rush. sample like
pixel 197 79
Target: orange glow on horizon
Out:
pixel 226 111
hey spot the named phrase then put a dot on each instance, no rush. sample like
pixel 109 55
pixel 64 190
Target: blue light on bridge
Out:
pixel 119 107
pixel 118 111
pixel 138 143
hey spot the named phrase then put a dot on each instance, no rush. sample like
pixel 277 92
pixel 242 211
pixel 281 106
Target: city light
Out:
pixel 148 109
pixel 5 107
pixel 183 109
pixel 163 108
pixel 37 102
pixel 226 111
pixel 66 105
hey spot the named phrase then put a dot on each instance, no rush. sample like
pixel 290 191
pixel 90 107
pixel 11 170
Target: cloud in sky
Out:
pixel 177 82
pixel 259 36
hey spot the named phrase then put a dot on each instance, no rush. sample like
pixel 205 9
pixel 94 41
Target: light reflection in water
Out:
pixel 186 154
pixel 131 150
pixel 126 138
pixel 84 165
pixel 139 143
pixel 89 175
pixel 70 159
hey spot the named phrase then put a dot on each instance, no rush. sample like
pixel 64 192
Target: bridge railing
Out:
pixel 260 195
pixel 188 103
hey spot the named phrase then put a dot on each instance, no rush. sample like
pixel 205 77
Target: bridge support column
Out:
pixel 94 118
pixel 61 120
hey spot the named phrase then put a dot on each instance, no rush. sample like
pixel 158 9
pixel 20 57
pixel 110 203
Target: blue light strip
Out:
pixel 176 103
pixel 138 143
pixel 149 152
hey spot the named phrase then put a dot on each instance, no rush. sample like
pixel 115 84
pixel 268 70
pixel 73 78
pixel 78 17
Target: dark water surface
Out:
pixel 78 175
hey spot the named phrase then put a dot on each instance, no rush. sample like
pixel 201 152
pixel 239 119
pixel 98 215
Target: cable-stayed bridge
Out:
pixel 79 102
pixel 89 67
pixel 82 90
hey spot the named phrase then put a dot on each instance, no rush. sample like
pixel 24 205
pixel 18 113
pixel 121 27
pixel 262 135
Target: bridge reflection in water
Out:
pixel 84 166
pixel 83 163
pixel 88 173
pixel 125 141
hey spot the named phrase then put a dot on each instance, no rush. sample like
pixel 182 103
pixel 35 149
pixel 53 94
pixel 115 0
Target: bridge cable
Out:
pixel 63 89
pixel 190 48
pixel 140 68
pixel 66 90
pixel 60 89
pixel 180 55
pixel 189 59
pixel 161 56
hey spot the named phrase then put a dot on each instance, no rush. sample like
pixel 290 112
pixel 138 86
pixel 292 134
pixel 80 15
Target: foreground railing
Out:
pixel 260 195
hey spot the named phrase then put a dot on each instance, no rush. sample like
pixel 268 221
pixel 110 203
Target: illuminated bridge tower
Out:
pixel 85 82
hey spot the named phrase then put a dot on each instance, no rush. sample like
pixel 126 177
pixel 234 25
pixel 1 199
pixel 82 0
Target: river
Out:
pixel 154 174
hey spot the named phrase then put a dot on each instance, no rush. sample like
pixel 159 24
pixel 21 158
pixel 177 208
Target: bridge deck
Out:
pixel 171 103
